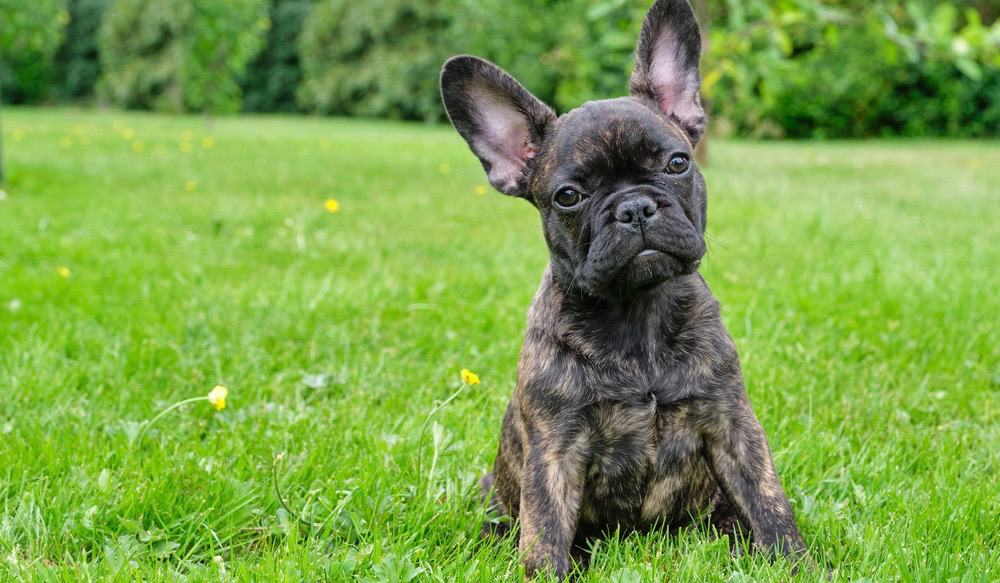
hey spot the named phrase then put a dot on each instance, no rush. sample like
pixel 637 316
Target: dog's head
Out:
pixel 622 203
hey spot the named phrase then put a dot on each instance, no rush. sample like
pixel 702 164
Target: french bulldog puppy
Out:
pixel 630 410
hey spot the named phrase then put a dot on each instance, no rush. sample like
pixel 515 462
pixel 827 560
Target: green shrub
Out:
pixel 378 58
pixel 30 33
pixel 272 78
pixel 535 57
pixel 77 63
pixel 806 70
pixel 179 55
pixel 772 68
pixel 597 50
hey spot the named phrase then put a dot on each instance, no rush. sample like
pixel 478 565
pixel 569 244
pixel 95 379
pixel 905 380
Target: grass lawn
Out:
pixel 145 259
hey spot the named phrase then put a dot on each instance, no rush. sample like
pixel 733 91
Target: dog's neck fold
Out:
pixel 636 327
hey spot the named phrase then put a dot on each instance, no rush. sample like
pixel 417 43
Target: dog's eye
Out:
pixel 678 164
pixel 568 197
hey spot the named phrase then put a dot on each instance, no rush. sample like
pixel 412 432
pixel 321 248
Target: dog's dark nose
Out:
pixel 634 210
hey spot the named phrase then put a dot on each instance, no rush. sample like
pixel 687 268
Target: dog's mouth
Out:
pixel 634 274
pixel 651 267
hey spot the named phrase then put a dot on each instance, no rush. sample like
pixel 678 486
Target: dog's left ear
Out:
pixel 502 122
pixel 666 64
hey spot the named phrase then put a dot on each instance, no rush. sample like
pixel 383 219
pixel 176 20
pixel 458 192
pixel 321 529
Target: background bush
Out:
pixel 818 70
pixel 376 58
pixel 771 68
pixel 30 33
pixel 272 78
pixel 76 64
pixel 179 55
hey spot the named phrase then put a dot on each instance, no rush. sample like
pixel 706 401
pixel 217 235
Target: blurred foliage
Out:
pixel 77 63
pixel 179 55
pixel 771 68
pixel 30 33
pixel 526 40
pixel 271 80
pixel 375 58
pixel 811 69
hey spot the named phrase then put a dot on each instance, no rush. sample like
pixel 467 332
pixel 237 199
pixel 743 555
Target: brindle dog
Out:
pixel 630 409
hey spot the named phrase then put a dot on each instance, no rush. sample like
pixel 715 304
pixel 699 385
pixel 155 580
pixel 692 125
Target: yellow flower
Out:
pixel 138 146
pixel 65 142
pixel 17 134
pixel 469 377
pixel 128 133
pixel 217 397
pixel 332 205
pixel 187 135
pixel 480 189
pixel 190 186
pixel 63 271
pixel 185 147
pixel 207 142
pixel 444 167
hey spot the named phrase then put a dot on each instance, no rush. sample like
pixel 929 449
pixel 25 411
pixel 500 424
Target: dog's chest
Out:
pixel 645 463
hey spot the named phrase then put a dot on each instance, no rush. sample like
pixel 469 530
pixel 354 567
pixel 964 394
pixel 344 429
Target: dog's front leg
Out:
pixel 741 461
pixel 551 490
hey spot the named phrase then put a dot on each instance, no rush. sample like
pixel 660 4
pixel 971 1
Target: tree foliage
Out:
pixel 771 68
pixel 272 78
pixel 30 33
pixel 77 64
pixel 179 55
pixel 812 69
pixel 376 58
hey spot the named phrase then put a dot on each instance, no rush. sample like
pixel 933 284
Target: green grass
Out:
pixel 860 281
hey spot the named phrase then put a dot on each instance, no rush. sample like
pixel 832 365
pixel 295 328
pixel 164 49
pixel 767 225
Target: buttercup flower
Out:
pixel 469 377
pixel 444 168
pixel 190 186
pixel 217 397
pixel 185 147
pixel 207 142
pixel 480 189
pixel 63 271
pixel 138 146
pixel 332 205
pixel 128 133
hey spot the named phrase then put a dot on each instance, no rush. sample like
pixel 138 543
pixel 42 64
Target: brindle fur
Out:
pixel 630 409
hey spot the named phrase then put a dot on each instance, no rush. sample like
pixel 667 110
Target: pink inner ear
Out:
pixel 675 86
pixel 505 141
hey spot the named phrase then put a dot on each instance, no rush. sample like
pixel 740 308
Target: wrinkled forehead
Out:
pixel 614 134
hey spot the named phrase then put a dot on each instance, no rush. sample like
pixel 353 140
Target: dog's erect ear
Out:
pixel 503 123
pixel 666 64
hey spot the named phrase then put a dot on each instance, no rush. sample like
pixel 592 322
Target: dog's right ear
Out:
pixel 502 122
